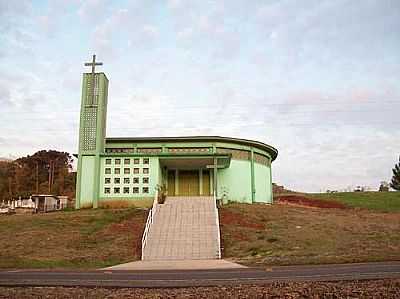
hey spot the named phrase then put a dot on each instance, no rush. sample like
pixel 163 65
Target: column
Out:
pixel 253 184
pixel 176 182
pixel 200 181
pixel 215 177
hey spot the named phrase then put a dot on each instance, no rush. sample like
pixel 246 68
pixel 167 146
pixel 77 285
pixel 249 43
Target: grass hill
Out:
pixel 284 234
pixel 334 228
pixel 86 239
pixel 378 201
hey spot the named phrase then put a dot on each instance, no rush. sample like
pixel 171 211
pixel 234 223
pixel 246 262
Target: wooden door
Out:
pixel 206 182
pixel 189 182
pixel 171 183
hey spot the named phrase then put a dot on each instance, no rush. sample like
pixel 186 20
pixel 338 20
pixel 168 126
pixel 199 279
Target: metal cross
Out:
pixel 215 167
pixel 93 65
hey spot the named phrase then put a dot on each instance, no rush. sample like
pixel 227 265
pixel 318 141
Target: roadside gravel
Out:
pixel 386 288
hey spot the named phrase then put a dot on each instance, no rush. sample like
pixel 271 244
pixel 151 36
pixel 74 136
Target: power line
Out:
pixel 247 104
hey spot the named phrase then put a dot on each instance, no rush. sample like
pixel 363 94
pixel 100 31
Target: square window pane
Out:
pixel 145 190
pixel 126 190
pixel 107 181
pixel 126 181
pixel 127 161
pixel 117 171
pixel 136 161
pixel 145 160
pixel 107 171
pixel 117 180
pixel 145 180
pixel 135 190
pixel 127 171
pixel 116 190
pixel 136 180
pixel 145 170
pixel 108 161
pixel 117 161
pixel 136 170
pixel 107 190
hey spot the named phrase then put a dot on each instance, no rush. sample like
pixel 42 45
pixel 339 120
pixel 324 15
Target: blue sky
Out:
pixel 319 80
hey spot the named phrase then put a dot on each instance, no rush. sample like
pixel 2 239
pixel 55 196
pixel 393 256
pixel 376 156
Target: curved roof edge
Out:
pixel 260 145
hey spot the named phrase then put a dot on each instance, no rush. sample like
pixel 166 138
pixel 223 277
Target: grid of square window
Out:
pixel 126 176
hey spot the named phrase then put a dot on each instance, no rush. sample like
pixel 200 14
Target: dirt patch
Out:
pixel 132 228
pixel 308 202
pixel 303 235
pixel 145 202
pixel 232 218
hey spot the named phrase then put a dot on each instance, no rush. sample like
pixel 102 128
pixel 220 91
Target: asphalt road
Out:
pixel 171 278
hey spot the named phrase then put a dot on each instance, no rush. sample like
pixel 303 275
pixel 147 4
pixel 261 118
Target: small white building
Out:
pixel 46 202
pixel 26 203
pixel 37 203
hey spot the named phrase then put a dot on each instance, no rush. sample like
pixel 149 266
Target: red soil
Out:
pixel 232 218
pixel 304 201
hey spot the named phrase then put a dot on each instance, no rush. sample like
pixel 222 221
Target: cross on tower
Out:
pixel 93 65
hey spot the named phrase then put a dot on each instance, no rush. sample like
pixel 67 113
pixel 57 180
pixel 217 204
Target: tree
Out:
pixel 384 186
pixel 6 172
pixel 43 172
pixel 395 183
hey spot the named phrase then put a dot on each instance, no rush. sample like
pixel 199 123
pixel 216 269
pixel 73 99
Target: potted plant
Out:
pixel 162 195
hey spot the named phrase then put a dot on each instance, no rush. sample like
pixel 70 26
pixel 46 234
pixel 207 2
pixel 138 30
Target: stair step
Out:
pixel 183 228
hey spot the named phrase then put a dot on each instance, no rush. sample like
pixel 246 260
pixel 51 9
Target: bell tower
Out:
pixel 92 132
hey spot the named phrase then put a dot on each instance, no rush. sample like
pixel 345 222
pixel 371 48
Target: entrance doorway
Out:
pixel 189 183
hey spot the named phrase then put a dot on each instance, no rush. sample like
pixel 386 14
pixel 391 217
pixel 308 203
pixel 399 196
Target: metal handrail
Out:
pixel 149 222
pixel 218 229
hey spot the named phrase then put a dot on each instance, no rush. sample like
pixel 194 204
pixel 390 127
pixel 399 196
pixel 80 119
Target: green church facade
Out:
pixel 121 172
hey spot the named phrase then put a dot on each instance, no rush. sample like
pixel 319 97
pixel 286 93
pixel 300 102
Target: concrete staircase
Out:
pixel 184 228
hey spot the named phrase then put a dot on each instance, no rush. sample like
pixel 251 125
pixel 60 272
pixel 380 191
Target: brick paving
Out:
pixel 184 229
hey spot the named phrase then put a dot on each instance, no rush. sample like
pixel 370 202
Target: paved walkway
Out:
pixel 184 228
pixel 177 265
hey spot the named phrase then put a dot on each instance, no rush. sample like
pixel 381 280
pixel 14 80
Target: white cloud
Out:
pixel 318 80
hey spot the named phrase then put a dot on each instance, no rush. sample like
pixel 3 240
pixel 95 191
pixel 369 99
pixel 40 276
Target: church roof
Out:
pixel 260 145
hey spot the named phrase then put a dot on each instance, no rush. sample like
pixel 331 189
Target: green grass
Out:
pixel 84 239
pixel 264 235
pixel 377 201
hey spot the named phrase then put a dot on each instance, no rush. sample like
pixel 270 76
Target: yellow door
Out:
pixel 206 182
pixel 171 183
pixel 189 182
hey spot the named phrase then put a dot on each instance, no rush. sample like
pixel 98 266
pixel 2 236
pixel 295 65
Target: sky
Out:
pixel 319 80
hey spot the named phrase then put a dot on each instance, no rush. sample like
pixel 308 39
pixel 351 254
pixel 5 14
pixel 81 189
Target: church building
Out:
pixel 127 171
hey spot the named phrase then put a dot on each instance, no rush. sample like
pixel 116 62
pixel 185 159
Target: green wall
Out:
pixel 87 182
pixel 262 183
pixel 154 172
pixel 234 183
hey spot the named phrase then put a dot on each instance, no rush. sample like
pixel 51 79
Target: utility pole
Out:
pixel 37 177
pixel 50 167
pixel 9 187
pixel 62 179
pixel 52 173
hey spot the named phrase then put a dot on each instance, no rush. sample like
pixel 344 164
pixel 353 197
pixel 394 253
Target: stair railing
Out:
pixel 218 230
pixel 149 222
